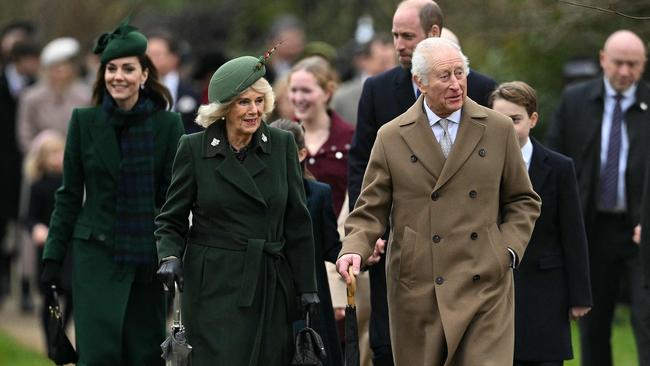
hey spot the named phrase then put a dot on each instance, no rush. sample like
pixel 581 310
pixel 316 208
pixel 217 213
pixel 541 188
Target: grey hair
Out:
pixel 210 113
pixel 424 53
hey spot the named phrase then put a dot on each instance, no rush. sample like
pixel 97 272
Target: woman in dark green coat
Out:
pixel 117 167
pixel 248 255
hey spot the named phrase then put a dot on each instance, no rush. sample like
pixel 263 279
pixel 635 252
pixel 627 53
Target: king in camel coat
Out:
pixel 450 287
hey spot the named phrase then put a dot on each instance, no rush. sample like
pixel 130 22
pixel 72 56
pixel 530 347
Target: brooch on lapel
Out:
pixel 215 142
pixel 643 106
pixel 264 138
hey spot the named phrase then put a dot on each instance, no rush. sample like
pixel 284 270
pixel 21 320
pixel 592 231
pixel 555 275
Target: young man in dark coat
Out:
pixel 552 282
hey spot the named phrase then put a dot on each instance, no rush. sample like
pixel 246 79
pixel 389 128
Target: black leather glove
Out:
pixel 309 302
pixel 51 274
pixel 169 271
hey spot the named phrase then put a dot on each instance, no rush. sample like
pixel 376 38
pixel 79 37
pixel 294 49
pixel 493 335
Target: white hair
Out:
pixel 425 52
pixel 210 113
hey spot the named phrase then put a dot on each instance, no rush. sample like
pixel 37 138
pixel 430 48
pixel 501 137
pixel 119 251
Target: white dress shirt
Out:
pixel 527 152
pixel 452 127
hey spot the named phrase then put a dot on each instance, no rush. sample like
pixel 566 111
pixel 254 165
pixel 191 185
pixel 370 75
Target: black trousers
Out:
pixel 614 258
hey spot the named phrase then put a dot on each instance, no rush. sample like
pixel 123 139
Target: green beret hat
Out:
pixel 234 77
pixel 124 41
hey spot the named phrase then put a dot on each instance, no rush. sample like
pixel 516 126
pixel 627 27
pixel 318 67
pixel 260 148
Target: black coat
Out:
pixel 326 248
pixel 554 272
pixel 10 157
pixel 384 97
pixel 576 132
pixel 187 103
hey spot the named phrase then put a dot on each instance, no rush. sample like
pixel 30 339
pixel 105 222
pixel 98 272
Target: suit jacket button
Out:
pixel 440 280
pixel 435 196
pixel 476 278
pixel 436 238
pixel 414 158
pixel 473 236
pixel 101 237
pixel 473 194
pixel 482 153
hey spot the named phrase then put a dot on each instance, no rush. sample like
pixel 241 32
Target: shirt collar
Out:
pixel 628 94
pixel 434 118
pixel 527 152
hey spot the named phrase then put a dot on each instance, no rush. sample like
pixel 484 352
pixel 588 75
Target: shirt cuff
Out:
pixel 514 261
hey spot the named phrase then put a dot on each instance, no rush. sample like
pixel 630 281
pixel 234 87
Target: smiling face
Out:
pixel 520 118
pixel 308 98
pixel 123 77
pixel 447 82
pixel 244 116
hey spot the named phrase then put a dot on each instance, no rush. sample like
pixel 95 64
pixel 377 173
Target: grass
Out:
pixel 623 345
pixel 14 354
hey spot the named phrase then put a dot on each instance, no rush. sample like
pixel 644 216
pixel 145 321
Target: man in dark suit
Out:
pixel 165 53
pixel 384 97
pixel 604 126
pixel 555 268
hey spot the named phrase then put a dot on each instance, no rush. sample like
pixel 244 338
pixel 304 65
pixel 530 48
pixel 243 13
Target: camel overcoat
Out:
pixel 450 289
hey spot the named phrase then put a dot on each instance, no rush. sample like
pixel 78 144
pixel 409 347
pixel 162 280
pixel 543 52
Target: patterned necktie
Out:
pixel 609 174
pixel 445 140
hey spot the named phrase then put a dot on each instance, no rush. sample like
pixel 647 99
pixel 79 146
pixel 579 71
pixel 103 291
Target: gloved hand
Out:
pixel 309 302
pixel 169 271
pixel 51 274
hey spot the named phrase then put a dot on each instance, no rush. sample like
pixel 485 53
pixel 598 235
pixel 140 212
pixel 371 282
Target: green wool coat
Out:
pixel 118 320
pixel 249 251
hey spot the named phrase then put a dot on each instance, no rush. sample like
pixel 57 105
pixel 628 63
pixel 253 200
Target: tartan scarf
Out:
pixel 135 206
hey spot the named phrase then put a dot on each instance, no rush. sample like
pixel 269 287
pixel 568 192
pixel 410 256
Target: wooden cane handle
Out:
pixel 351 288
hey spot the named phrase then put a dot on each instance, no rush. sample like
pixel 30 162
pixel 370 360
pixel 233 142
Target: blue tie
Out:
pixel 609 174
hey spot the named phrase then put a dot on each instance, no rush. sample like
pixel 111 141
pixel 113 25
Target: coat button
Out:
pixel 440 280
pixel 482 153
pixel 473 194
pixel 101 237
pixel 435 196
pixel 476 278
pixel 436 238
pixel 414 158
pixel 473 236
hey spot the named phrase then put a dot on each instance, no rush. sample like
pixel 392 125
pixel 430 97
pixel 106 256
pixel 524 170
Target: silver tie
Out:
pixel 445 141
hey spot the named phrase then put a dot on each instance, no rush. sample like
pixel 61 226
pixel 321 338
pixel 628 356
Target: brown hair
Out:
pixel 517 92
pixel 153 88
pixel 325 76
pixel 299 135
pixel 430 15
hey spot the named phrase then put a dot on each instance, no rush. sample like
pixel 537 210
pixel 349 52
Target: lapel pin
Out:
pixel 215 142
pixel 264 138
pixel 643 106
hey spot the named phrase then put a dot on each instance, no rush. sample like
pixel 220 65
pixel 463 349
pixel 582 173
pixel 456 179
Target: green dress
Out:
pixel 249 251
pixel 119 310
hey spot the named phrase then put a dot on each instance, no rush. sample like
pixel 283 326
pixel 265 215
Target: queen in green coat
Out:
pixel 117 167
pixel 246 262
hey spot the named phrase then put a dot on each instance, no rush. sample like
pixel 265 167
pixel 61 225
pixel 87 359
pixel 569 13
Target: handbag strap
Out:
pixel 54 307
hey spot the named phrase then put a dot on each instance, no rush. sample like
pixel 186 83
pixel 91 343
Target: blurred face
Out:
pixel 447 83
pixel 61 73
pixel 54 160
pixel 520 118
pixel 407 33
pixel 293 43
pixel 123 77
pixel 245 114
pixel 164 60
pixel 382 58
pixel 28 65
pixel 306 96
pixel 623 60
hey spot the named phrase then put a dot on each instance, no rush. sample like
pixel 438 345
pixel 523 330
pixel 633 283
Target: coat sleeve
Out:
pixel 25 131
pixel 520 205
pixel 299 239
pixel 362 142
pixel 69 197
pixel 573 237
pixel 176 131
pixel 369 219
pixel 331 239
pixel 172 224
pixel 645 225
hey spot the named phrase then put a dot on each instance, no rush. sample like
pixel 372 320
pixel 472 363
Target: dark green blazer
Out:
pixel 111 311
pixel 249 251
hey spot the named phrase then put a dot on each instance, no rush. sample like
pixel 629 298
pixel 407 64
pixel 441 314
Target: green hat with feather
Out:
pixel 123 41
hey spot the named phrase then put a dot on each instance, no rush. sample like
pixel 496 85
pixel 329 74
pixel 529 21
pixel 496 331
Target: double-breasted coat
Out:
pixel 249 251
pixel 112 309
pixel 450 289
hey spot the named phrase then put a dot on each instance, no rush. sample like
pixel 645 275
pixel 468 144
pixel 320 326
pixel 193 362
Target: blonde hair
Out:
pixel 44 144
pixel 210 113
pixel 325 76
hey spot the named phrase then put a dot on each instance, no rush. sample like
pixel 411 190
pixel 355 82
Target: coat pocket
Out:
pixel 498 249
pixel 550 262
pixel 406 258
pixel 82 232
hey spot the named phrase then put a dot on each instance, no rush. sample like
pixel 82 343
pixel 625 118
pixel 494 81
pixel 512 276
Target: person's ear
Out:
pixel 434 31
pixel 419 84
pixel 533 120
pixel 302 154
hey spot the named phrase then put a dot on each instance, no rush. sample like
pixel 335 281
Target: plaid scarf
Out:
pixel 135 206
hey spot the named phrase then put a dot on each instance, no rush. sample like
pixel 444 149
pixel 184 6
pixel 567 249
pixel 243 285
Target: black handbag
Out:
pixel 59 348
pixel 310 349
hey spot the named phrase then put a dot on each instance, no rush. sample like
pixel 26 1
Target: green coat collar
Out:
pixel 215 140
